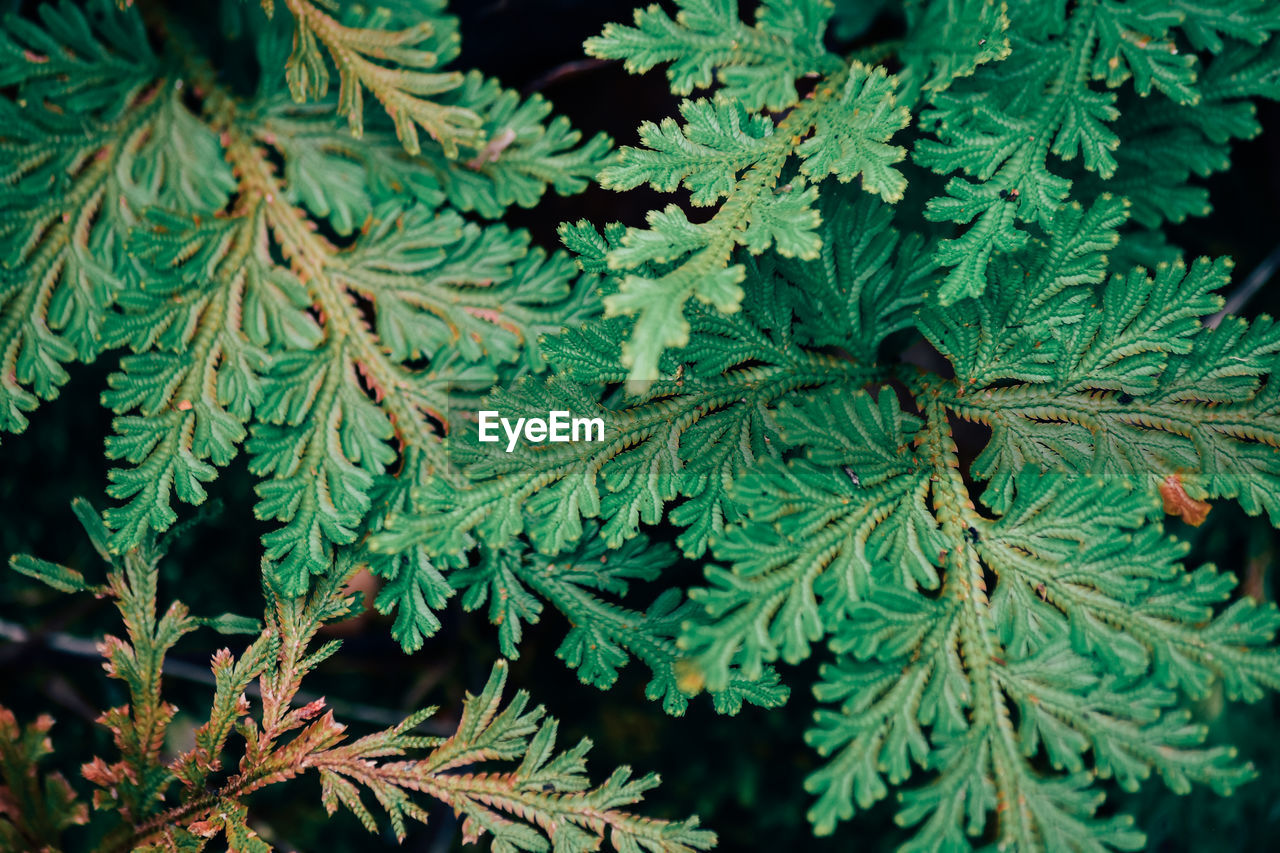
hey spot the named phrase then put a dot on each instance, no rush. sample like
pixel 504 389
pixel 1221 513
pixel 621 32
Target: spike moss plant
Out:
pixel 909 366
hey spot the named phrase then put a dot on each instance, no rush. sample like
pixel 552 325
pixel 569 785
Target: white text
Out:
pixel 556 426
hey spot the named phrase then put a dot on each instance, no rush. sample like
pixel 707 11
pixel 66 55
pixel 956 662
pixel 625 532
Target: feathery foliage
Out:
pixel 1006 128
pixel 1004 626
pixel 500 770
pixel 909 366
pixel 760 173
pixel 603 633
pixel 1051 597
pixel 162 228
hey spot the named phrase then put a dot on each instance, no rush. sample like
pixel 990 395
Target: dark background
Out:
pixel 743 775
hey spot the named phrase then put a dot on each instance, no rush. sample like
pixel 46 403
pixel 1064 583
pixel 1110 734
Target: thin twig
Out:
pixel 82 647
pixel 564 70
pixel 1247 288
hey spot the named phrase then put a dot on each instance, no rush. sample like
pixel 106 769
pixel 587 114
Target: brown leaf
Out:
pixel 1178 502
pixel 100 773
pixel 204 828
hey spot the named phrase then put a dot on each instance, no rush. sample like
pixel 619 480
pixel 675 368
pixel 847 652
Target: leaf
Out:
pixel 696 430
pixel 763 169
pixel 1002 126
pixel 59 577
pixel 1178 502
pixel 499 769
pixel 584 585
pixel 95 133
pixel 214 304
pixel 35 806
pixel 707 42
pixel 1134 361
pixel 404 85
pixel 1015 652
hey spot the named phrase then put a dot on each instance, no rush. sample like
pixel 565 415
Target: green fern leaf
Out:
pixel 707 42
pixel 1061 604
pixel 403 85
pixel 1049 107
pixel 96 133
pixel 212 306
pixel 603 634
pixel 1167 398
pixel 948 41
pixel 762 169
pixel 698 428
pixel 1165 145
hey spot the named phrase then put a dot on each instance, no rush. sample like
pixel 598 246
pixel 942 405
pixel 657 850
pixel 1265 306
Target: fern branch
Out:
pixel 403 87
pixel 765 172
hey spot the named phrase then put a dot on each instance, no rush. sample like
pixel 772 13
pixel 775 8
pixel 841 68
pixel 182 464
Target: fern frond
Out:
pixel 524 152
pixel 765 171
pixel 324 390
pixel 338 363
pixel 1079 610
pixel 416 586
pixel 1060 604
pixel 1165 145
pixel 707 42
pixel 35 807
pixel 499 771
pixel 604 634
pixel 704 426
pixel 214 304
pixel 95 134
pixel 947 41
pixel 394 66
pixel 1047 106
pixel 1132 388
pixel 699 427
pixel 819 537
